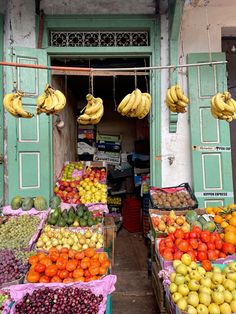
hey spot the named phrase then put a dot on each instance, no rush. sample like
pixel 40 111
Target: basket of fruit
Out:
pixel 179 197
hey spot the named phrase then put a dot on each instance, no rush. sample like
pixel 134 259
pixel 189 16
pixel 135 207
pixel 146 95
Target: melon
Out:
pixel 40 203
pixel 27 203
pixel 55 202
pixel 16 202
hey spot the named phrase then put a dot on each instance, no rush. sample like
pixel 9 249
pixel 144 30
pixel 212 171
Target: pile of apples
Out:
pixel 196 290
pixel 169 223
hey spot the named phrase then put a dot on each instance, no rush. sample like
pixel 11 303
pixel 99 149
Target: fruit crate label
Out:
pixel 226 149
pixel 214 194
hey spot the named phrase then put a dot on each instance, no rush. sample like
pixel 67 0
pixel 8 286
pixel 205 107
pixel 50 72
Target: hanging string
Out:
pixel 208 30
pixel 91 77
pixel 146 81
pixel 181 57
pixel 135 79
pixel 114 91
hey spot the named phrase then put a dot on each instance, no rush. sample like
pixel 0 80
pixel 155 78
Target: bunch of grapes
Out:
pixel 4 296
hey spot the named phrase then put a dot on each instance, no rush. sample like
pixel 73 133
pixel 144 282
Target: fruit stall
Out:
pixel 193 253
pixel 61 252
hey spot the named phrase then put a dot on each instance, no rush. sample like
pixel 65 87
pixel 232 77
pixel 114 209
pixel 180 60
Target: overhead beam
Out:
pixel 98 73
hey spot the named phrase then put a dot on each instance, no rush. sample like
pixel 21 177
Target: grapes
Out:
pixel 61 301
pixel 18 231
pixel 11 268
pixel 4 296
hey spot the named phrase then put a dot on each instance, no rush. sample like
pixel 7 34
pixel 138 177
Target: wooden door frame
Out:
pixel 124 22
pixel 2 191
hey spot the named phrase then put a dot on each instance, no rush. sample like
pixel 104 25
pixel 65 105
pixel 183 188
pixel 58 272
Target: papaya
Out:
pixel 27 203
pixel 54 202
pixel 40 203
pixel 16 202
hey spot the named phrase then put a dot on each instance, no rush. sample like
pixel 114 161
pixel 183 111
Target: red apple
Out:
pixel 62 188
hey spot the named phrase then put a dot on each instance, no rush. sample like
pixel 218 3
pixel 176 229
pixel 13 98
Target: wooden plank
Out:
pixel 99 73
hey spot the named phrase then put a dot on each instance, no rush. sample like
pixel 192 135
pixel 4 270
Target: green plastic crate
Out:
pixel 109 305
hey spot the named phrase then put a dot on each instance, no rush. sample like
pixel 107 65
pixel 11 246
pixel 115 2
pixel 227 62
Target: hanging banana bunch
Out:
pixel 176 101
pixel 223 107
pixel 93 111
pixel 51 101
pixel 13 104
pixel 135 105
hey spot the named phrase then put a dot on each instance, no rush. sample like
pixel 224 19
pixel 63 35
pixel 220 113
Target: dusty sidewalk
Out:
pixel 133 293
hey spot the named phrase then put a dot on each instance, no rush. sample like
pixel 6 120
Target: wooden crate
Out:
pixel 158 289
pixel 109 237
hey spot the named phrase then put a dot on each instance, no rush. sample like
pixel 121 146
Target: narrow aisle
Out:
pixel 133 293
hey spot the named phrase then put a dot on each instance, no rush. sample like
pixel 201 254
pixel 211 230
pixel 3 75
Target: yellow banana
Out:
pixel 41 99
pixel 61 100
pixel 148 103
pixel 123 103
pixel 231 102
pixel 138 97
pixel 17 106
pixel 180 94
pixel 169 99
pixel 92 108
pixel 83 121
pixel 219 101
pixel 85 117
pixel 227 95
pixel 172 108
pixel 98 114
pixel 180 103
pixel 173 94
pixel 8 102
pixel 129 105
pixel 140 107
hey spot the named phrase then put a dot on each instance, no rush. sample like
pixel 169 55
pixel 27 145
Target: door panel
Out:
pixel 1 118
pixel 29 171
pixel 210 138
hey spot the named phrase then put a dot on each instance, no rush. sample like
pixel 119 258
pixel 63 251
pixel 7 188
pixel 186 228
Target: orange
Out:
pixel 228 216
pixel 234 213
pixel 230 229
pixel 89 252
pixel 232 221
pixel 230 237
pixel 224 224
pixel 218 219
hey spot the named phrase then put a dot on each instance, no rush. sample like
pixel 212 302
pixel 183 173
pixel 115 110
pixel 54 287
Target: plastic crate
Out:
pixel 132 215
pixel 109 305
pixel 145 202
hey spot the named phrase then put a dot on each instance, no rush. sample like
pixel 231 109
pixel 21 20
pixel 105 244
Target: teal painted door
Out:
pixel 28 139
pixel 1 119
pixel 210 138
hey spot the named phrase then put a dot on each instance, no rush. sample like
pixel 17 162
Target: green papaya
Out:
pixel 70 218
pixel 209 226
pixel 196 223
pixel 91 222
pixel 80 212
pixel 16 202
pixel 52 220
pixel 64 214
pixel 202 220
pixel 27 203
pixel 61 222
pixel 56 213
pixel 191 216
pixel 82 222
pixel 40 203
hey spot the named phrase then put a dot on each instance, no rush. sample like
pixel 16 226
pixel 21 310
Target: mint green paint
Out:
pixel 175 16
pixel 1 115
pixel 153 51
pixel 212 171
pixel 28 139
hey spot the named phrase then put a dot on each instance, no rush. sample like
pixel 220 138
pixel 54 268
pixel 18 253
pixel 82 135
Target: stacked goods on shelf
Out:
pixel 132 215
pixel 86 143
pixel 114 203
pixel 108 149
pixel 145 214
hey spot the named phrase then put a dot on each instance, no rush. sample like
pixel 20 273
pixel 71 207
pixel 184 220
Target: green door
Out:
pixel 28 139
pixel 1 118
pixel 210 138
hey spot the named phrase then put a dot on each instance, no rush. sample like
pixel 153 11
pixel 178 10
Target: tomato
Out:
pixel 56 279
pixel 63 274
pixel 210 245
pixel 61 263
pixel 213 237
pixel 193 243
pixel 186 235
pixel 51 270
pixel 222 255
pixel 201 255
pixel 179 233
pixel 197 230
pixel 78 272
pixel 193 235
pixel 228 248
pixel 33 276
pixel 33 259
pixel 178 254
pixel 169 243
pixel 44 279
pixel 183 246
pixel 80 255
pixel 39 268
pixel 71 265
pixel 206 265
pixel 218 244
pixel 46 261
pixel 54 256
pixel 177 241
pixel 205 236
pixel 171 236
pixel 202 247
pixel 212 255
pixel 192 254
pixel 167 255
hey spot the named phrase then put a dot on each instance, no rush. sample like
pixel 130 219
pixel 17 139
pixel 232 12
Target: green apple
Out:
pixel 183 289
pixel 194 274
pixel 225 308
pixel 214 308
pixel 201 270
pixel 172 276
pixel 193 298
pixel 226 270
pixel 205 282
pixel 176 262
pixel 234 294
pixel 193 285
pixel 209 274
pixel 182 304
pixel 173 287
pixel 202 309
pixel 182 269
pixel 186 259
pixel 179 279
pixel 217 297
pixel 204 298
pixel 205 289
pixel 216 269
pixel 227 296
pixel 217 278
pixel 219 288
pixel 231 275
pixel 193 265
pixel 233 306
pixel 187 278
pixel 191 309
pixel 176 296
pixel 232 265
pixel 229 284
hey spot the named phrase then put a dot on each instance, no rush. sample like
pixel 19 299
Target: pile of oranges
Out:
pixel 67 265
pixel 225 217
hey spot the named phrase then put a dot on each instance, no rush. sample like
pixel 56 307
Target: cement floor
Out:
pixel 133 293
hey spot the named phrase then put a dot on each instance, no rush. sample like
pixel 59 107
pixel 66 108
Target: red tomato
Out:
pixel 222 255
pixel 169 243
pixel 39 268
pixel 210 245
pixel 213 237
pixel 218 244
pixel 205 236
pixel 183 246
pixel 202 247
pixel 193 235
pixel 212 255
pixel 193 243
pixel 197 230
pixel 186 235
pixel 179 233
pixel 168 256
pixel 171 236
pixel 178 254
pixel 177 241
pixel 228 248
pixel 201 255
pixel 206 265
pixel 192 254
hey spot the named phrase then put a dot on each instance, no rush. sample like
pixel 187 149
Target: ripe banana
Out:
pixel 61 100
pixel 7 103
pixel 173 94
pixel 223 107
pixel 129 105
pixel 176 101
pixel 93 111
pixel 94 106
pixel 148 102
pixel 138 96
pixel 140 108
pixel 17 106
pixel 123 103
pixel 180 94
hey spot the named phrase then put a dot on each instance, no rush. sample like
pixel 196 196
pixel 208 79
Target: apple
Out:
pixel 193 285
pixel 182 304
pixel 193 265
pixel 183 289
pixel 179 279
pixel 173 287
pixel 176 263
pixel 181 269
pixel 176 296
pixel 204 298
pixel 232 265
pixel 201 270
pixel 205 282
pixel 231 275
pixel 193 298
pixel 186 259
pixel 217 297
pixel 209 274
pixel 234 294
pixel 194 274
pixel 216 269
pixel 205 289
pixel 172 276
pixel 219 288
pixel 191 309
pixel 225 308
pixel 214 308
pixel 202 309
pixel 227 296
pixel 233 306
pixel 229 284
pixel 187 278
pixel 216 278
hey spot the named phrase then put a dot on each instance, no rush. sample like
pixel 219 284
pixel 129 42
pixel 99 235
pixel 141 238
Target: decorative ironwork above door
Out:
pixel 98 39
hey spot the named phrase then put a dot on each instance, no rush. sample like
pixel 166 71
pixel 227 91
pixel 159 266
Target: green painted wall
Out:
pixel 1 114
